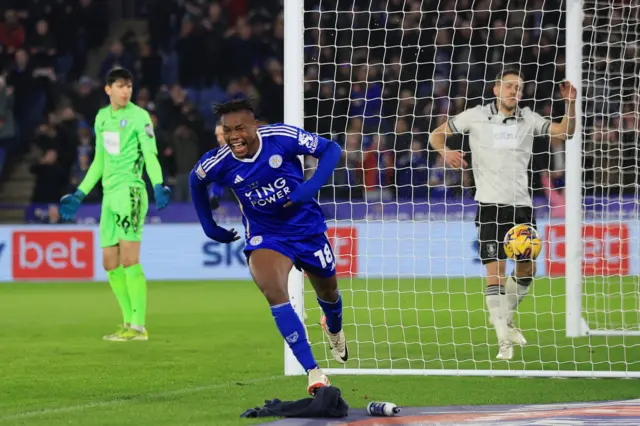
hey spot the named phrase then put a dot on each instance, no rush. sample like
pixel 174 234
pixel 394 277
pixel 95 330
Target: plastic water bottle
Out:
pixel 386 409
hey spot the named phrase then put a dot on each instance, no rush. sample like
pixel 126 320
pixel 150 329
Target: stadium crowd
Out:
pixel 378 79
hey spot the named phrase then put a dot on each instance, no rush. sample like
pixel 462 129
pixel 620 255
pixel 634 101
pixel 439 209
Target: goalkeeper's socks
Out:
pixel 137 285
pixel 118 282
pixel 292 330
pixel 497 315
pixel 333 313
pixel 516 290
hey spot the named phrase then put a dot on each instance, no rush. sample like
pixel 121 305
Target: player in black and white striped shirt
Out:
pixel 501 138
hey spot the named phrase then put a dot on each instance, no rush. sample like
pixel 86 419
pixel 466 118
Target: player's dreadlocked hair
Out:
pixel 233 106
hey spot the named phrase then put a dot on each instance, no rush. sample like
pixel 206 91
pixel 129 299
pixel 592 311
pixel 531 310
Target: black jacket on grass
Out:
pixel 326 403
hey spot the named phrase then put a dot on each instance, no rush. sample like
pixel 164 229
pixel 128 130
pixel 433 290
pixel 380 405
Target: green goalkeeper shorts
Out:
pixel 122 216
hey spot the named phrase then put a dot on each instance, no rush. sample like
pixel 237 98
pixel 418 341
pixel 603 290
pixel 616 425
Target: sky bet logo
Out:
pixel 223 255
pixel 272 193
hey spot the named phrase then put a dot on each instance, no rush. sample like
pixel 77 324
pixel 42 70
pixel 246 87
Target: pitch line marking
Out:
pixel 124 400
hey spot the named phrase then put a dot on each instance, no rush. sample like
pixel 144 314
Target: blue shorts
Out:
pixel 313 254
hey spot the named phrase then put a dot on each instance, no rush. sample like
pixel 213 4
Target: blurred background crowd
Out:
pixel 379 76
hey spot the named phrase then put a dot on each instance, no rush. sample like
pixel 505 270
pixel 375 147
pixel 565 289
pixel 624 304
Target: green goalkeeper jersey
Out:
pixel 125 143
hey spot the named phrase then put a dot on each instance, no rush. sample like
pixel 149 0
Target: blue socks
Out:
pixel 333 312
pixel 292 330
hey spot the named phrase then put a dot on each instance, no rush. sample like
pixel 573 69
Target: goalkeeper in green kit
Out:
pixel 125 142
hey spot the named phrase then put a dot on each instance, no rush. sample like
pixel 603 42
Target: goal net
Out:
pixel 611 41
pixel 379 76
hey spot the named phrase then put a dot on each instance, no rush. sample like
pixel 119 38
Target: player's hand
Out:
pixel 454 159
pixel 161 194
pixel 70 203
pixel 222 235
pixel 568 91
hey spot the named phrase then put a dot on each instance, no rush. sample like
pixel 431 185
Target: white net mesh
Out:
pixel 379 77
pixel 610 69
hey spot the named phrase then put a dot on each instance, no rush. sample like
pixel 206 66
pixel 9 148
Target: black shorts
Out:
pixel 493 221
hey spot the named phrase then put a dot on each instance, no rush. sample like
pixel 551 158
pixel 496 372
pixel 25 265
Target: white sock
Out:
pixel 515 292
pixel 497 315
pixel 139 328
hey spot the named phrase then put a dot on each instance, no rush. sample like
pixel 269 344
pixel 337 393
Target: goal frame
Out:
pixel 576 326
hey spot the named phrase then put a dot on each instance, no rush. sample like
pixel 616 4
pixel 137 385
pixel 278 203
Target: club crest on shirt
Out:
pixel 123 123
pixel 491 249
pixel 255 241
pixel 309 141
pixel 275 161
pixel 148 129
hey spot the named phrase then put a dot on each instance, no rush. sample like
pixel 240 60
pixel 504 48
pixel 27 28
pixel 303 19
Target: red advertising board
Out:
pixel 52 255
pixel 345 247
pixel 605 249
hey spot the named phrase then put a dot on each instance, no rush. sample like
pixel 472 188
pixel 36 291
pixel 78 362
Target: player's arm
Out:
pixel 215 193
pixel 567 126
pixel 438 139
pixel 199 179
pixel 328 154
pixel 149 148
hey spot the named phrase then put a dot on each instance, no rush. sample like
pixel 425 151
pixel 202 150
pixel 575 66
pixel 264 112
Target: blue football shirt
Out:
pixel 263 182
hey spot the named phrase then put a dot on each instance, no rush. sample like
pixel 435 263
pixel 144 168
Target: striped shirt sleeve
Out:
pixel 461 123
pixel 541 126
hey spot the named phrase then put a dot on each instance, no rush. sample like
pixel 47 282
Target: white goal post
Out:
pixel 402 316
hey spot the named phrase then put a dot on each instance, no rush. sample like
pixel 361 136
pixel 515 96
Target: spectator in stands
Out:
pixel 87 98
pixel 271 90
pixel 240 46
pixel 214 26
pixel 50 215
pixel 170 104
pixel 51 178
pixel 67 127
pixel 413 172
pixel 366 97
pixel 42 45
pixel 149 69
pixel 378 165
pixel 350 166
pixel 81 166
pixel 190 47
pixel 29 96
pixel 116 57
pixel 186 151
pixel 46 136
pixel 144 100
pixel 8 128
pixel 12 32
pixel 165 148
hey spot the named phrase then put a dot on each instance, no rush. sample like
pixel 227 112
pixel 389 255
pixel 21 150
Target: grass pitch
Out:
pixel 214 351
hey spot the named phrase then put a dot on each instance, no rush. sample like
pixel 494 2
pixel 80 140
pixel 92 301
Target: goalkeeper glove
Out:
pixel 221 235
pixel 70 203
pixel 161 194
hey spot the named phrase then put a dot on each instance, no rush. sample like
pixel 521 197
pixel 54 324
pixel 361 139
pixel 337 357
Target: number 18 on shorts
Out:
pixel 313 254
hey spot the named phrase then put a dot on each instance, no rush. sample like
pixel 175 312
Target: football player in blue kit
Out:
pixel 284 225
